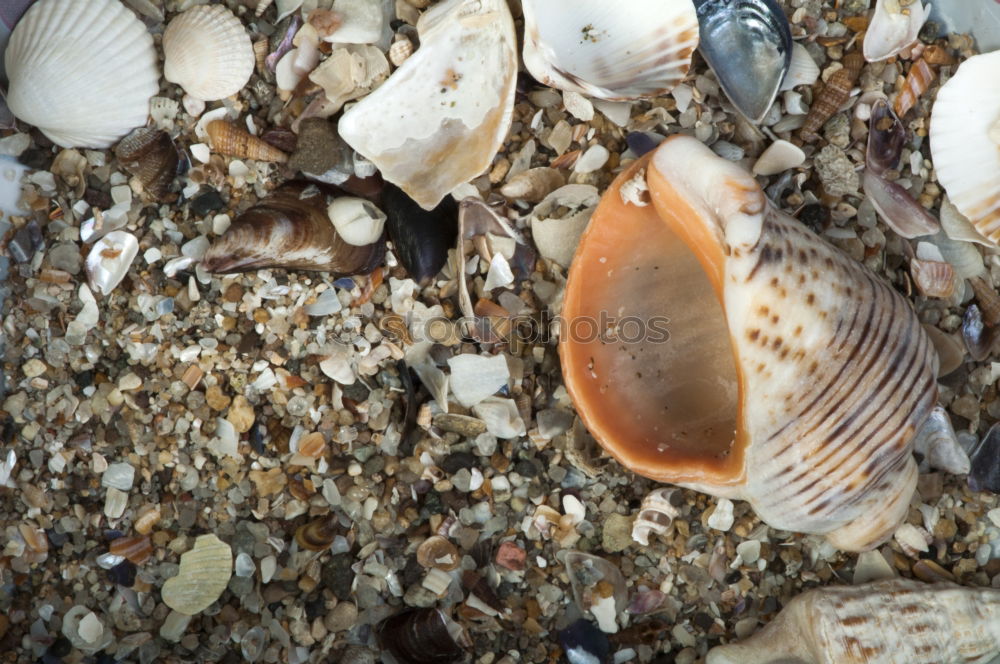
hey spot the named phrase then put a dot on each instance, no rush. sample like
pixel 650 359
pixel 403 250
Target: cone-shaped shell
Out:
pixel 235 141
pixel 965 141
pixel 82 71
pixel 897 621
pixel 706 334
pixel 439 119
pixel 594 48
pixel 207 51
pixel 289 229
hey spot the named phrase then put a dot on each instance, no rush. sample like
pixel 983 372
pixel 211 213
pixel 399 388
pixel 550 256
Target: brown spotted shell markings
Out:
pixel 899 621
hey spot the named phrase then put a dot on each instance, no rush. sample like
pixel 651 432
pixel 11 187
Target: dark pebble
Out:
pixel 815 216
pixel 457 461
pixel 84 378
pixel 123 574
pixel 97 198
pixel 640 143
pixel 421 238
pixel 584 643
pixel 985 458
pixel 60 647
pixel 26 241
pixel 205 203
pixel 703 621
pixel 526 468
pixel 338 576
pixel 56 539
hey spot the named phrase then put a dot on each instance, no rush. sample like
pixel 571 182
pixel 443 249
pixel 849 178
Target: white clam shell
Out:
pixel 439 119
pixel 779 157
pixel 82 72
pixel 207 52
pixel 965 153
pixel 595 48
pixel 894 26
pixel 108 262
pixel 358 221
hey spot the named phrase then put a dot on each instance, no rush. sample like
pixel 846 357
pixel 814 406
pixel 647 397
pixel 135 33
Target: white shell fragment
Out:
pixel 475 377
pixel 778 158
pixel 656 514
pixel 595 48
pixel 357 221
pixel 964 145
pixel 438 121
pixel 557 238
pixel 802 70
pixel 349 73
pixel 82 72
pixel 203 576
pixel 207 51
pixel 894 25
pixel 109 260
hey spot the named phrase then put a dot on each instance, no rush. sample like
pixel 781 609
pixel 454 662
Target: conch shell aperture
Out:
pixel 810 414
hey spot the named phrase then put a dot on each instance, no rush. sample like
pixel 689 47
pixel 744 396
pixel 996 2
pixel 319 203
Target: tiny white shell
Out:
pixel 108 262
pixel 893 27
pixel 82 72
pixel 207 52
pixel 594 48
pixel 358 221
pixel 802 70
pixel 779 157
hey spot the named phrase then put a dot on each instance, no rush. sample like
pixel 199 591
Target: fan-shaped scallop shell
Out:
pixel 594 48
pixel 81 71
pixel 898 621
pixel 965 141
pixel 207 52
pixel 707 312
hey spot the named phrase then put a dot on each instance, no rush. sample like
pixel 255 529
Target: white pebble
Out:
pixel 722 518
pixel 593 159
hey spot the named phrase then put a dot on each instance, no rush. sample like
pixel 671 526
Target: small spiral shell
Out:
pixel 832 96
pixel 656 514
pixel 917 81
pixel 234 141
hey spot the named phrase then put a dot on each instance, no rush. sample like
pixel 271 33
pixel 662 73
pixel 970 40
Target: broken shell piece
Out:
pixel 450 103
pixel 108 262
pixel 317 534
pixel 894 25
pixel 656 514
pixel 775 327
pixel 363 22
pixel 400 50
pixel 591 47
pixel 779 157
pixel 421 238
pixel 802 69
pixel 207 51
pixel 598 588
pixel 234 141
pixel 203 576
pixel 933 278
pixel 150 155
pixel 437 552
pixel 533 184
pixel 964 142
pixel 886 136
pixel 557 238
pixel 82 72
pixel 939 446
pixel 951 352
pixel 423 636
pixel 898 621
pixel 357 220
pixel 476 377
pixel 350 73
pixel 897 208
pixel 289 229
pixel 957 227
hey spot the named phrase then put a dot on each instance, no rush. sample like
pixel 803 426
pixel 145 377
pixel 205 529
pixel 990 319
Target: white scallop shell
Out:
pixel 894 26
pixel 439 119
pixel 595 48
pixel 207 52
pixel 965 145
pixel 81 71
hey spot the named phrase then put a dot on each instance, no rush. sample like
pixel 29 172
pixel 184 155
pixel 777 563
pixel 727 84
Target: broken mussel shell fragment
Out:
pixel 748 44
pixel 984 474
pixel 423 636
pixel 290 229
pixel 795 347
pixel 317 534
pixel 149 154
pixel 421 238
pixel 897 621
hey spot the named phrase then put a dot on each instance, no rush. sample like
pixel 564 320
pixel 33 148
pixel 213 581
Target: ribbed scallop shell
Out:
pixel 82 71
pixel 897 621
pixel 207 52
pixel 594 48
pixel 965 141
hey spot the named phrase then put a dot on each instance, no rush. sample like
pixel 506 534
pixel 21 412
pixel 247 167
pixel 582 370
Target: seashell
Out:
pixel 356 220
pixel 965 142
pixel 349 73
pixel 150 155
pixel 71 166
pixel 918 79
pixel 598 588
pixel 207 51
pixel 590 47
pixel 748 44
pixel 656 514
pixel 318 534
pixel 583 643
pixel 937 55
pixel 451 102
pixel 533 184
pixel 802 69
pixel 363 22
pixel 82 72
pixel 289 229
pixel 897 208
pixel 988 298
pixel 950 351
pixel 136 549
pixel 978 338
pixel 148 517
pixel 235 141
pixel 437 552
pixel 897 621
pixel 984 474
pixel 795 312
pixel 109 260
pixel 779 157
pixel 937 444
pixel 933 278
pixel 423 636
pixel 832 96
pixel 203 576
pixel 400 50
pixel 886 136
pixel 894 25
pixel 420 238
pixel 957 227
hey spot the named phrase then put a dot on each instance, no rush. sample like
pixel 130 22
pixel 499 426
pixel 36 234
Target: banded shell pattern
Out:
pixel 82 72
pixel 897 621
pixel 594 48
pixel 828 373
pixel 235 141
pixel 207 51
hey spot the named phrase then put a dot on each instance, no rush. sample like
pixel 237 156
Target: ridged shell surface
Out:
pixel 965 141
pixel 82 71
pixel 594 48
pixel 207 52
pixel 899 621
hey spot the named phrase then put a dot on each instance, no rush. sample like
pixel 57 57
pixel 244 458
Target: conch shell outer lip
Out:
pixel 829 373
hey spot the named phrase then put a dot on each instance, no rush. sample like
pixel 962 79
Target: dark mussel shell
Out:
pixel 985 461
pixel 584 643
pixel 748 44
pixel 149 154
pixel 318 534
pixel 423 636
pixel 886 136
pixel 421 238
pixel 290 229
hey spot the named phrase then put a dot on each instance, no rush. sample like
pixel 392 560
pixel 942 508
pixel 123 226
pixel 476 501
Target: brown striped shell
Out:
pixel 832 96
pixel 234 141
pixel 150 155
pixel 898 621
pixel 137 549
pixel 318 534
pixel 917 81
